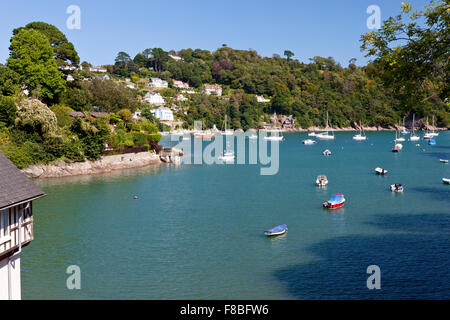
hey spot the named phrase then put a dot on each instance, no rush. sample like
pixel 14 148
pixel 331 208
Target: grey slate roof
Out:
pixel 15 187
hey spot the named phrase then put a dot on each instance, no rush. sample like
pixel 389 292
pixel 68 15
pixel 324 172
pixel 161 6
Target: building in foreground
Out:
pixel 17 193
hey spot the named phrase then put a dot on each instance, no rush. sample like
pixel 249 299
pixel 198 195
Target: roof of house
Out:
pixel 15 187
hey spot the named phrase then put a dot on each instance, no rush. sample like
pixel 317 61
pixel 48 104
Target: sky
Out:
pixel 307 28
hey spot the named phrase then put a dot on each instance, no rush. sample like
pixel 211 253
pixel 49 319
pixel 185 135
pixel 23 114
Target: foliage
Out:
pixel 8 111
pixel 31 58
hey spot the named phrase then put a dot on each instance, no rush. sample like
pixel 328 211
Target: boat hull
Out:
pixel 331 206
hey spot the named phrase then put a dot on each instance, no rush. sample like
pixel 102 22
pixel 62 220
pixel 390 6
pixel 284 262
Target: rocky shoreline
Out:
pixel 103 165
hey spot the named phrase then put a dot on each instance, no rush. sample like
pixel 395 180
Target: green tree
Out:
pixel 31 57
pixel 8 110
pixel 64 51
pixel 288 54
pixel 9 81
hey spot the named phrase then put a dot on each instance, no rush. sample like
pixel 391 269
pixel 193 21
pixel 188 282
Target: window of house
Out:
pixel 4 224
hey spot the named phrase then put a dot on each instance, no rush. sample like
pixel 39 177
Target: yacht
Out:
pixel 428 134
pixel 321 181
pixel 276 137
pixel 325 135
pixel 360 136
pixel 413 136
pixel 398 138
pixel 404 131
pixel 227 156
pixel 308 141
pixel 226 132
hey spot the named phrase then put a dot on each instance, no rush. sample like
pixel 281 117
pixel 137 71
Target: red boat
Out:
pixel 337 201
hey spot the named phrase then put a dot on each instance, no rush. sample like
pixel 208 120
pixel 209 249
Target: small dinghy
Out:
pixel 276 231
pixel 443 161
pixel 381 171
pixel 321 180
pixel 431 142
pixel 446 180
pixel 336 201
pixel 397 147
pixel 308 141
pixel 396 187
pixel 327 153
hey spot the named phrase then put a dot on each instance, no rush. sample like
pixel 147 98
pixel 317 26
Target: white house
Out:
pixel 262 99
pixel 70 78
pixel 163 113
pixel 158 83
pixel 16 225
pixel 154 98
pixel 97 69
pixel 180 84
pixel 131 86
pixel 180 97
pixel 137 114
pixel 209 89
pixel 175 57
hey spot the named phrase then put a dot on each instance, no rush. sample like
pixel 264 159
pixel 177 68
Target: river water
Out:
pixel 196 231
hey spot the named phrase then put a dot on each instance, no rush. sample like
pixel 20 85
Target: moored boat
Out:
pixel 227 156
pixel 336 201
pixel 381 171
pixel 446 180
pixel 397 187
pixel 321 180
pixel 327 153
pixel 432 142
pixel 276 231
pixel 308 141
pixel 204 134
pixel 273 138
pixel 443 160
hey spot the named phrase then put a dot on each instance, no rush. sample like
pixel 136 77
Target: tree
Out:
pixel 9 81
pixel 413 57
pixel 31 57
pixel 8 110
pixel 64 51
pixel 159 59
pixel 288 54
pixel 141 60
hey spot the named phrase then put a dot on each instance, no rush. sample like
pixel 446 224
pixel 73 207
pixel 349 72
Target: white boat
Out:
pixel 428 135
pixel 309 141
pixel 381 171
pixel 312 134
pixel 321 181
pixel 276 231
pixel 327 153
pixel 360 136
pixel 433 133
pixel 446 180
pixel 443 161
pixel 396 187
pixel 253 137
pixel 276 137
pixel 226 132
pixel 185 138
pixel 325 135
pixel 404 131
pixel 413 136
pixel 398 138
pixel 227 156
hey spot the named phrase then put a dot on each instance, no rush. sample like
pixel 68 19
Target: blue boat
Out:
pixel 276 231
pixel 432 142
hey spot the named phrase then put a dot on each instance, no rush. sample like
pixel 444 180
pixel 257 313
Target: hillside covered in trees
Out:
pixel 43 82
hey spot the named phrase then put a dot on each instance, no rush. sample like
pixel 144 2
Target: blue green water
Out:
pixel 196 231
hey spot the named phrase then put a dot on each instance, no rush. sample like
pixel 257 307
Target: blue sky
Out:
pixel 308 28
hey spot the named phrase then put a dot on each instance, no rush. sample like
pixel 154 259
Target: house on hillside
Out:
pixel 180 97
pixel 17 193
pixel 97 69
pixel 154 98
pixel 158 83
pixel 262 99
pixel 180 84
pixel 163 113
pixel 215 89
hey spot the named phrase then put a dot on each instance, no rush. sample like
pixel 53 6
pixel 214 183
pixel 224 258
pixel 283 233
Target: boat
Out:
pixel 327 153
pixel 404 131
pixel 325 135
pixel 446 180
pixel 398 138
pixel 443 161
pixel 312 134
pixel 428 135
pixel 431 142
pixel 321 180
pixel 204 134
pixel 309 141
pixel 226 132
pixel 359 136
pixel 253 137
pixel 381 171
pixel 186 138
pixel 413 136
pixel 226 156
pixel 336 201
pixel 433 133
pixel 396 187
pixel 275 137
pixel 276 231
pixel 397 147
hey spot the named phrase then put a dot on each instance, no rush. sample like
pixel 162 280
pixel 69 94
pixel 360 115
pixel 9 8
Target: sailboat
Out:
pixel 226 132
pixel 359 136
pixel 428 134
pixel 398 146
pixel 398 138
pixel 413 136
pixel 433 133
pixel 404 131
pixel 325 135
